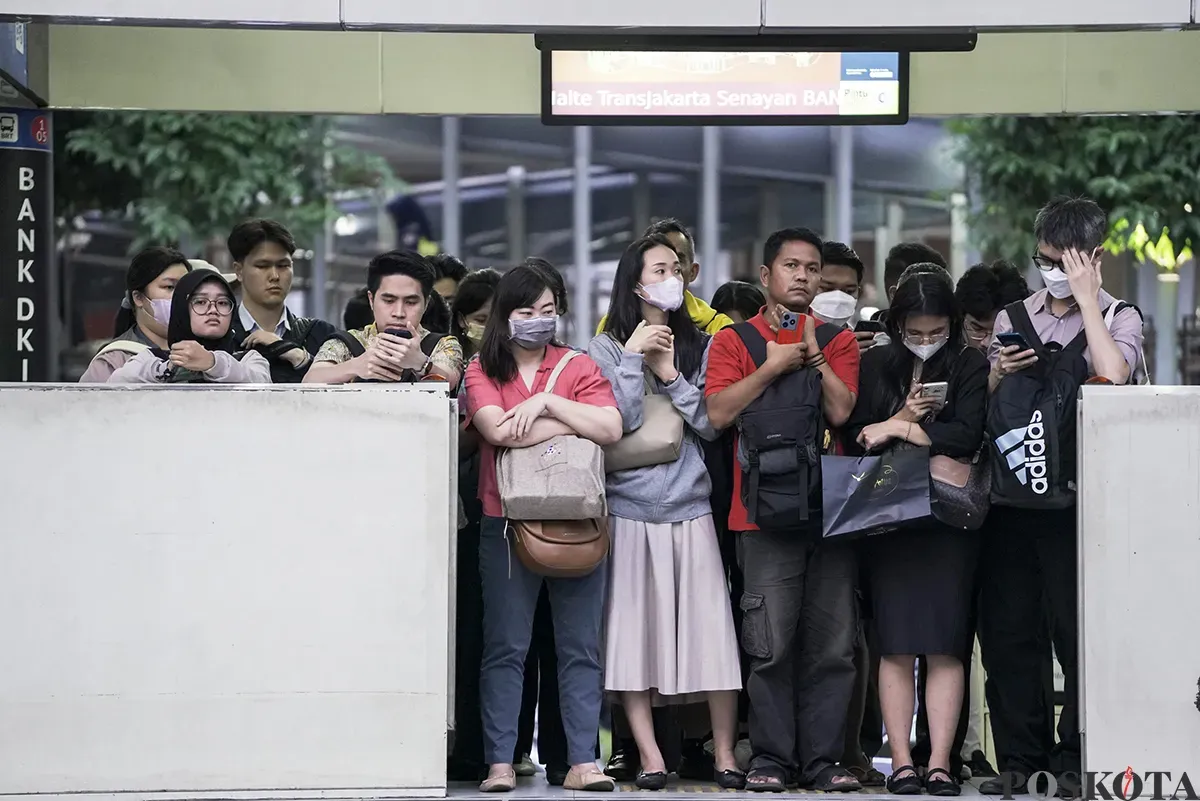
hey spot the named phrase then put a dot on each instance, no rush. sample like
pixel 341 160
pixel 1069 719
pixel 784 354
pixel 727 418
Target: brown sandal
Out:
pixel 591 781
pixel 504 783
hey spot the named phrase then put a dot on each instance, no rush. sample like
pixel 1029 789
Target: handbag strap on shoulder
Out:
pixel 558 368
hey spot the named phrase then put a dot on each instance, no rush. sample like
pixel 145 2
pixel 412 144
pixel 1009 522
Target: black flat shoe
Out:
pixel 729 779
pixel 651 781
pixel 905 785
pixel 941 787
pixel 623 765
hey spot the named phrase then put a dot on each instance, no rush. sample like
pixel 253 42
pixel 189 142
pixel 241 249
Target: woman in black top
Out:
pixel 921 579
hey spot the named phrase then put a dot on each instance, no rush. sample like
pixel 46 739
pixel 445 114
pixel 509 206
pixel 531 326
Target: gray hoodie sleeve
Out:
pixel 688 397
pixel 624 371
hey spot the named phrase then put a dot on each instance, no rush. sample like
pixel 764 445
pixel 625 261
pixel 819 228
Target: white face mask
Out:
pixel 666 295
pixel 926 352
pixel 835 307
pixel 1057 283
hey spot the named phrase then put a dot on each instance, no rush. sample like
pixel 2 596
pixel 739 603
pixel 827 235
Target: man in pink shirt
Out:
pixel 1028 565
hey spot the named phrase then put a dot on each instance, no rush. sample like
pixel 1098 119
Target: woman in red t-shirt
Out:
pixel 509 408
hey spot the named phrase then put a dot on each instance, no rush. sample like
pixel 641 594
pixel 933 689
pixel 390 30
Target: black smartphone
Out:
pixel 1010 338
pixel 403 333
pixel 868 326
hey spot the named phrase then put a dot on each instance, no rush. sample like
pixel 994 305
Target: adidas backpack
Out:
pixel 1031 420
pixel 780 437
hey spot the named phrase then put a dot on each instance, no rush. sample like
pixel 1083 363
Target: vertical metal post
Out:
pixel 959 235
pixel 894 234
pixel 843 183
pixel 710 213
pixel 318 290
pixel 1166 333
pixel 1187 288
pixel 451 203
pixel 514 207
pixel 881 249
pixel 770 217
pixel 582 304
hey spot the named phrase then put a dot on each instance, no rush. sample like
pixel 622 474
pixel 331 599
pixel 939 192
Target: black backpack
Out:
pixel 780 438
pixel 1031 422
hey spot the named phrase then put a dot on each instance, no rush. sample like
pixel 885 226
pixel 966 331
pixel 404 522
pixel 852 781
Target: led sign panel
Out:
pixel 723 88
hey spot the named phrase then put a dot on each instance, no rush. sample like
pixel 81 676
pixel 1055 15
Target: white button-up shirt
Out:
pixel 250 325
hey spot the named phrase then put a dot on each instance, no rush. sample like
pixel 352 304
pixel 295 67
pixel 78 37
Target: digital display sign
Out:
pixel 582 87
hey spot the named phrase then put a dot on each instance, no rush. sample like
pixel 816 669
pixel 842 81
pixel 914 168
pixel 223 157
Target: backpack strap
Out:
pixel 123 346
pixel 756 346
pixel 826 334
pixel 430 341
pixel 1018 315
pixel 350 341
pixel 558 368
pixel 1140 374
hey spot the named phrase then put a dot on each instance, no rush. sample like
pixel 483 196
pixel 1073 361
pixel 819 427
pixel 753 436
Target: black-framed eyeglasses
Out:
pixel 1044 264
pixel 201 305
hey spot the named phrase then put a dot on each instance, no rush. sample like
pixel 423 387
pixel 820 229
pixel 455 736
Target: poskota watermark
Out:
pixel 1120 785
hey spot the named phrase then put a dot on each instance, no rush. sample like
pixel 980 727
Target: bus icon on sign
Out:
pixel 8 129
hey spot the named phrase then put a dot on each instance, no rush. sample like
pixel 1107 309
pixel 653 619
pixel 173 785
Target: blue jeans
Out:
pixel 510 595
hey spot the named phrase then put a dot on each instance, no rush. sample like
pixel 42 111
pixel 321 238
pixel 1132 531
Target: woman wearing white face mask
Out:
pixel 921 580
pixel 669 636
pixel 145 310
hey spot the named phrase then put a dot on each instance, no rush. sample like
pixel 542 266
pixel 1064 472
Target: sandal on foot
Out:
pixel 651 781
pixel 904 785
pixel 767 779
pixel 729 779
pixel 591 781
pixel 827 781
pixel 867 777
pixel 504 783
pixel 942 787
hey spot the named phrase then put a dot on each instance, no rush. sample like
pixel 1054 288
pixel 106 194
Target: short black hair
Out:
pixel 905 255
pixel 401 262
pixel 437 315
pixel 777 240
pixel 987 288
pixel 672 225
pixel 842 255
pixel 738 296
pixel 248 235
pixel 358 312
pixel 447 266
pixel 1071 222
pixel 554 280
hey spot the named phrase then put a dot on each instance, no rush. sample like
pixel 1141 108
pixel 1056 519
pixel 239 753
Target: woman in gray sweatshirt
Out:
pixel 669 634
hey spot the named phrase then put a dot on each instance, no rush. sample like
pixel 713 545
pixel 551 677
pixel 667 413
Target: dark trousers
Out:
pixel 799 628
pixel 871 732
pixel 467 752
pixel 539 695
pixel 1029 589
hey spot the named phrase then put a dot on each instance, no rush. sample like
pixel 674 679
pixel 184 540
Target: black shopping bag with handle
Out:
pixel 874 493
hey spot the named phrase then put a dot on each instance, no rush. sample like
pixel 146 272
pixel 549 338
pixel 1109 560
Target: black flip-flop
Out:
pixel 772 779
pixel 825 783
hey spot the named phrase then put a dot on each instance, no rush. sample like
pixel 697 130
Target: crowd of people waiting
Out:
pixel 782 656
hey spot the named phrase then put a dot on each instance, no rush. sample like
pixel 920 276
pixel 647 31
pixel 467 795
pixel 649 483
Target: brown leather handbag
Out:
pixel 960 489
pixel 560 548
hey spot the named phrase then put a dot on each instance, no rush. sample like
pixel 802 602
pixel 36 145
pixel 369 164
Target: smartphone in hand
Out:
pixel 936 390
pixel 1011 338
pixel 868 326
pixel 789 329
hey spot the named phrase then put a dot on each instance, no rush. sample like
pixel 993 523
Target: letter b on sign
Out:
pixel 25 179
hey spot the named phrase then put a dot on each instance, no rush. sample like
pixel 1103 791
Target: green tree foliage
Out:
pixel 1145 170
pixel 182 177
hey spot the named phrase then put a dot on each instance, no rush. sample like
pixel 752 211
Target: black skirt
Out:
pixel 921 583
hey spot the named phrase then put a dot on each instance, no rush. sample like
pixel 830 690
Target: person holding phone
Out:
pixel 924 388
pixel 395 347
pixel 1029 567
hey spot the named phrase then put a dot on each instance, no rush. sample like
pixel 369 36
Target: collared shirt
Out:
pixel 1126 327
pixel 249 325
pixel 447 357
pixel 580 381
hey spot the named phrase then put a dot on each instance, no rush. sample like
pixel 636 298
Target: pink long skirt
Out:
pixel 668 624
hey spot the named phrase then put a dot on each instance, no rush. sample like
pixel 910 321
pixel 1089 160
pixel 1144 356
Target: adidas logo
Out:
pixel 1025 451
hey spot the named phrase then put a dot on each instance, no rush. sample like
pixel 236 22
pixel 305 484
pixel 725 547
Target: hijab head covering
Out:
pixel 180 327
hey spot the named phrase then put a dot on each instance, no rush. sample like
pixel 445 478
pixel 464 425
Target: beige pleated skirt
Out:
pixel 668 625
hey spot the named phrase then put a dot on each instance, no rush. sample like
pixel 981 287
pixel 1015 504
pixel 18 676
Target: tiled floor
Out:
pixel 536 787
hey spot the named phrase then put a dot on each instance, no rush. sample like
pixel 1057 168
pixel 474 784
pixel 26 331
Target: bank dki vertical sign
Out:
pixel 26 245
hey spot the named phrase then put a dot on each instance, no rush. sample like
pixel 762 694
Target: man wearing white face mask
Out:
pixel 1072 331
